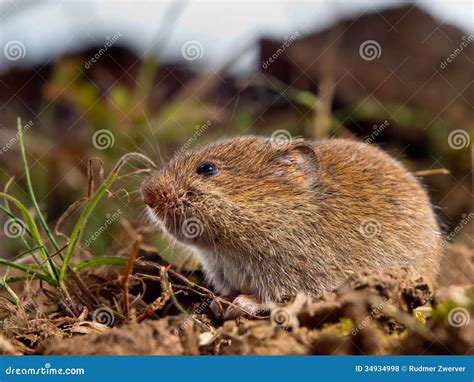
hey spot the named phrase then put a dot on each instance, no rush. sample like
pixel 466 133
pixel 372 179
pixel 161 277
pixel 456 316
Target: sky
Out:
pixel 215 30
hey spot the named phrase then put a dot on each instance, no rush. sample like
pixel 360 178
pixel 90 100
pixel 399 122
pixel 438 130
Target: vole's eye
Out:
pixel 207 169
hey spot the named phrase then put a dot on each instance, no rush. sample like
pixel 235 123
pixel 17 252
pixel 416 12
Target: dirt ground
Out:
pixel 374 312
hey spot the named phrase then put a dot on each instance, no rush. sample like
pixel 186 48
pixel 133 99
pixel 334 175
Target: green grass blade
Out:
pixel 101 260
pixel 4 285
pixel 27 252
pixel 28 270
pixel 33 197
pixel 13 279
pixel 89 207
pixel 34 232
pixel 25 242
pixel 11 215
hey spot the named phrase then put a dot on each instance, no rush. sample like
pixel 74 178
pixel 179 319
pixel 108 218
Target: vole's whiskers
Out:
pixel 156 146
pixel 144 217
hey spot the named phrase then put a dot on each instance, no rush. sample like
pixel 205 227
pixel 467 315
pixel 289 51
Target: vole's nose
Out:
pixel 148 196
pixel 159 199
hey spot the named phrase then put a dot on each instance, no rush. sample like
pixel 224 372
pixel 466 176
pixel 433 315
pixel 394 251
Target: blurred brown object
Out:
pixel 407 67
pixel 457 265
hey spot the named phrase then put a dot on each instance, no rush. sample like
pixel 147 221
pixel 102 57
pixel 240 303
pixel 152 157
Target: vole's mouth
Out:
pixel 170 209
pixel 183 228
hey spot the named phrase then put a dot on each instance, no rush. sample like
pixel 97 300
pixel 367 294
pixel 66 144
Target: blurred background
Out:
pixel 103 78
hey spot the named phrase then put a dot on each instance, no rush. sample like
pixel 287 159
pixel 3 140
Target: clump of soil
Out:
pixel 373 312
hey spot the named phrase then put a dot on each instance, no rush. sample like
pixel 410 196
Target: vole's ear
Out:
pixel 302 154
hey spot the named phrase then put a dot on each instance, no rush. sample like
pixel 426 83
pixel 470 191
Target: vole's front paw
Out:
pixel 244 305
pixel 217 309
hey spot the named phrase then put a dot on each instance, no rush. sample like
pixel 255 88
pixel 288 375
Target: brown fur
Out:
pixel 279 220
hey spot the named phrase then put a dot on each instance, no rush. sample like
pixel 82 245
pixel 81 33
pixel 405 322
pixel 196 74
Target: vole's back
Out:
pixel 381 213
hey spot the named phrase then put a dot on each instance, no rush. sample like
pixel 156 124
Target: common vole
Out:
pixel 270 219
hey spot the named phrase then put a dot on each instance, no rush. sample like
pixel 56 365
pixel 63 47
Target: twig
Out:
pixel 437 171
pixel 114 194
pixel 166 285
pixel 126 279
pixel 90 175
pixel 139 171
pixel 189 282
pixel 154 306
pixel 210 293
pixel 54 254
pixel 69 211
pixel 141 266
